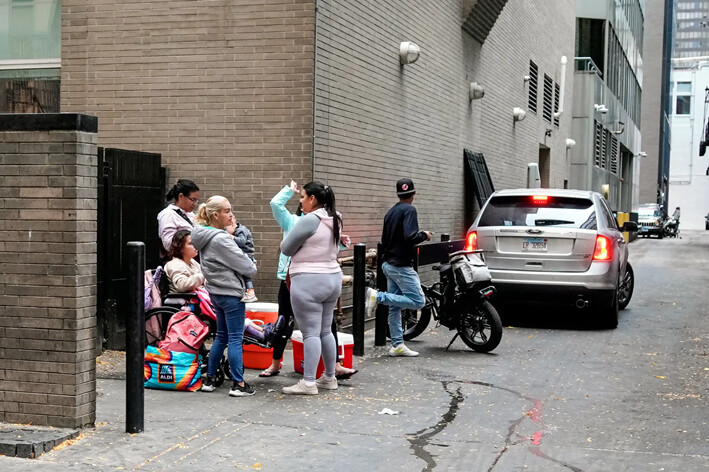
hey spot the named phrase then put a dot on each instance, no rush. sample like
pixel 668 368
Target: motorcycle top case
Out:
pixel 469 269
pixel 171 370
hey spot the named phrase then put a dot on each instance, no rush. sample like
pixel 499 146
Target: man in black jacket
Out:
pixel 399 236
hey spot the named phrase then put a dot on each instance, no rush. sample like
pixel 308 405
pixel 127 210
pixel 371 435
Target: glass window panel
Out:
pixel 684 87
pixel 29 91
pixel 683 105
pixel 30 29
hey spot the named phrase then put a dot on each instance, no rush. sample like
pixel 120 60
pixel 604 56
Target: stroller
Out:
pixel 158 317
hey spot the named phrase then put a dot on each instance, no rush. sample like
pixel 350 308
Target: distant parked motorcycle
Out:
pixel 671 228
pixel 459 301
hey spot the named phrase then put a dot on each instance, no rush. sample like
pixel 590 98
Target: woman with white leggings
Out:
pixel 316 283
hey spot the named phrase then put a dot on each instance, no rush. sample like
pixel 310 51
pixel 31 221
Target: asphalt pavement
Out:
pixel 556 395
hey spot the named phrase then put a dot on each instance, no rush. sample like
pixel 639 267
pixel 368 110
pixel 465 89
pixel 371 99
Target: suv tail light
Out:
pixel 471 241
pixel 603 251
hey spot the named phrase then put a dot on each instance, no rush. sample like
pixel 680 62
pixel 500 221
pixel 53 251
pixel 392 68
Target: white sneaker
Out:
pixel 326 383
pixel 402 351
pixel 370 302
pixel 300 389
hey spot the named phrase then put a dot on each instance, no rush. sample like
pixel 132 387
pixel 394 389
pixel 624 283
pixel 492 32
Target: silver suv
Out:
pixel 553 245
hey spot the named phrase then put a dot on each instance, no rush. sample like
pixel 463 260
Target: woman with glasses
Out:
pixel 180 214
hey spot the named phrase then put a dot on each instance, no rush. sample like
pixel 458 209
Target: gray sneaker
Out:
pixel 326 383
pixel 209 384
pixel 402 351
pixel 239 391
pixel 370 302
pixel 300 389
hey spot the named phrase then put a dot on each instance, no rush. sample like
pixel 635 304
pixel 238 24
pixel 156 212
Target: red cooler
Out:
pixel 257 357
pixel 344 354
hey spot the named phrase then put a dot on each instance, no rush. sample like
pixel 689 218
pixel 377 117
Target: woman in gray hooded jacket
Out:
pixel 225 266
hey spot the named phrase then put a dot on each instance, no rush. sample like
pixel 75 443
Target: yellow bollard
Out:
pixel 622 218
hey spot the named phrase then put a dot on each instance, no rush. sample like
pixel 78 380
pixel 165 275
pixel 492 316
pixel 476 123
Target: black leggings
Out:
pixel 286 311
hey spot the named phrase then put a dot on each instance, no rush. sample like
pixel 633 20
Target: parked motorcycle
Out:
pixel 671 228
pixel 459 301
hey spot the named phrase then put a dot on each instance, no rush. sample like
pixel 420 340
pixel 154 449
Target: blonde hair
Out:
pixel 207 210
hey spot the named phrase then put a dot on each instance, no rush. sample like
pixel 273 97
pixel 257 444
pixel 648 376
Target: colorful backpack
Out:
pixel 185 333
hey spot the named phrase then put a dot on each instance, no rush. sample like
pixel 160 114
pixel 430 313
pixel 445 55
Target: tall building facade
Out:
pixel 607 99
pixel 656 102
pixel 688 171
pixel 692 29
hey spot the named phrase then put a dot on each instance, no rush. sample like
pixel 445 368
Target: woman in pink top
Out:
pixel 316 283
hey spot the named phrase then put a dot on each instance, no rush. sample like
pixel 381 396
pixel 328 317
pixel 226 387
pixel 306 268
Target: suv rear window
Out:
pixel 525 210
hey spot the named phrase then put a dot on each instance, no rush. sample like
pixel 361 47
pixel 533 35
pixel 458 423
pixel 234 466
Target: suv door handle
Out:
pixel 535 231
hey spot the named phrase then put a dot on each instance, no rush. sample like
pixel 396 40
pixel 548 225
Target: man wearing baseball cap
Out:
pixel 399 236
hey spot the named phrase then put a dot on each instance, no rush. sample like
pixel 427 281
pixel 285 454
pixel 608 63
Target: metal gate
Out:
pixel 130 195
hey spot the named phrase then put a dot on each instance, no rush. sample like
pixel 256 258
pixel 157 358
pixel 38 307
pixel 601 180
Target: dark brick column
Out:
pixel 48 191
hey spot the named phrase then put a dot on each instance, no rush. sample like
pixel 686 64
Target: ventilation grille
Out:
pixel 548 98
pixel 557 90
pixel 597 144
pixel 533 84
pixel 614 155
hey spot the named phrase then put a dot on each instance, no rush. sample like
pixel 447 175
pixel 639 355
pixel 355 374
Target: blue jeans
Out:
pixel 404 291
pixel 230 313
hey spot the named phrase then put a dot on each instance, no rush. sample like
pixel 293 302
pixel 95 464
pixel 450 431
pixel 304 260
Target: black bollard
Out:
pixel 135 334
pixel 382 315
pixel 358 294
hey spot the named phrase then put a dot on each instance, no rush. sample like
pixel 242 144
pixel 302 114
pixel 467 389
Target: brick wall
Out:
pixel 48 269
pixel 377 121
pixel 223 90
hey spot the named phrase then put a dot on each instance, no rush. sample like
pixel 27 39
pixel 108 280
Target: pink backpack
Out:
pixel 185 333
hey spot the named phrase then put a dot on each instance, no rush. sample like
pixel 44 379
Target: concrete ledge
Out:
pixel 48 122
pixel 31 441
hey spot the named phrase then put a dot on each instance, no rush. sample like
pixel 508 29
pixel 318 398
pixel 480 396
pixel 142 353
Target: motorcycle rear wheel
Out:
pixel 481 328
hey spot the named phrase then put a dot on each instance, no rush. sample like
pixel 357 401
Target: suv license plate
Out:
pixel 534 244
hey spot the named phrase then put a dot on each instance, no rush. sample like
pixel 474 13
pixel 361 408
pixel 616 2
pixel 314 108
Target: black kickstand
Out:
pixel 452 340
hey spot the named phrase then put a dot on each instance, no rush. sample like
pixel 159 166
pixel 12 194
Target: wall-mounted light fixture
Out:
pixel 476 91
pixel 526 78
pixel 408 52
pixel 570 143
pixel 600 108
pixel 518 114
pixel 620 129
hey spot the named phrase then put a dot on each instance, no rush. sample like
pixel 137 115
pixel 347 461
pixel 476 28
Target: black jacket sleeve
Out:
pixel 411 227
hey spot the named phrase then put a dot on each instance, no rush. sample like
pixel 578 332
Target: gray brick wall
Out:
pixel 377 121
pixel 48 277
pixel 223 90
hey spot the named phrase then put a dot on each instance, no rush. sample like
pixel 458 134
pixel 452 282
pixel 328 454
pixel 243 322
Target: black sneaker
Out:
pixel 239 391
pixel 209 384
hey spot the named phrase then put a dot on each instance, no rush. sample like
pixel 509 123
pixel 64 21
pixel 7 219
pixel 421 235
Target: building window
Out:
pixel 533 86
pixel 683 98
pixel 30 56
